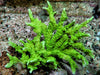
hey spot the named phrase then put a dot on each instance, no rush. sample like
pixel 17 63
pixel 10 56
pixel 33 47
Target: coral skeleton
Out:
pixel 60 42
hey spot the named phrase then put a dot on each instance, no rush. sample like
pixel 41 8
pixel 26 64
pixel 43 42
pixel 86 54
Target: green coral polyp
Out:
pixel 63 44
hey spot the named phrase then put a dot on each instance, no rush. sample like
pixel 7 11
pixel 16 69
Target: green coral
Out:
pixel 63 44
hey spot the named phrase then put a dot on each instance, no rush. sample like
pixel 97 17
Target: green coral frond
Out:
pixel 70 25
pixel 70 60
pixel 63 17
pixel 52 60
pixel 31 15
pixel 32 68
pixel 82 34
pixel 13 60
pixel 52 24
pixel 74 54
pixel 86 22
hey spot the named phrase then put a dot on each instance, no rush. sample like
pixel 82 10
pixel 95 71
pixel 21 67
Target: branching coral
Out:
pixel 63 44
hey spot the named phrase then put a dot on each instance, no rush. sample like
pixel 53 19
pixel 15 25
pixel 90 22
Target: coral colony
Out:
pixel 63 44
